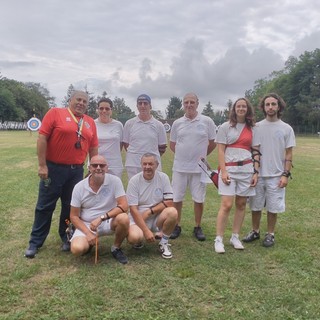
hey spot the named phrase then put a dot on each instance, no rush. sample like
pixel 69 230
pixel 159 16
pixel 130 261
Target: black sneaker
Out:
pixel 268 240
pixel 197 231
pixel 176 232
pixel 251 236
pixel 119 255
pixel 30 252
pixel 65 246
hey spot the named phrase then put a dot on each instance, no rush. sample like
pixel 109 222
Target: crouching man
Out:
pixel 149 195
pixel 99 205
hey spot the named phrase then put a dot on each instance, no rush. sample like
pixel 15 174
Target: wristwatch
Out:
pixel 105 217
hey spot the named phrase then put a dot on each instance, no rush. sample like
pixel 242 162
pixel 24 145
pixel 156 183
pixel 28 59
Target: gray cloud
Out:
pixel 15 64
pixel 223 79
pixel 215 48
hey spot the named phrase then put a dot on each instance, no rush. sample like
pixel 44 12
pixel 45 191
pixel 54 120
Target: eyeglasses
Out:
pixel 271 104
pixel 104 108
pixel 95 165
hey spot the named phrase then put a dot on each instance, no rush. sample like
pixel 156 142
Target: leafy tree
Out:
pixel 92 104
pixel 8 108
pixel 179 113
pixel 298 84
pixel 173 108
pixel 157 114
pixel 24 100
pixel 66 99
pixel 121 111
pixel 208 110
pixel 220 117
pixel 41 99
pixel 103 95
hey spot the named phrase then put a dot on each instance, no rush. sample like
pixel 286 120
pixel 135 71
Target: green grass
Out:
pixel 276 283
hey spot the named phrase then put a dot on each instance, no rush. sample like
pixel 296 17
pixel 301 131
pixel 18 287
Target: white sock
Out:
pixel 164 239
pixel 113 248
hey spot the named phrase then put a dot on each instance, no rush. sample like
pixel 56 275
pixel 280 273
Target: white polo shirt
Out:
pixel 94 204
pixel 146 193
pixel 143 137
pixel 191 138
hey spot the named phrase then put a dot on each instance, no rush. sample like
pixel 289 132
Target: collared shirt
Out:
pixel 61 132
pixel 94 204
pixel 146 193
pixel 143 137
pixel 191 138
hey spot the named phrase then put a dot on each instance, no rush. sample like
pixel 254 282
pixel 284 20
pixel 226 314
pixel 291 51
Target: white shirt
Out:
pixel 228 135
pixel 146 193
pixel 143 137
pixel 275 138
pixel 94 204
pixel 191 138
pixel 110 136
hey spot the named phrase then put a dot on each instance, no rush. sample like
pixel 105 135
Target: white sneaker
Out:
pixel 236 243
pixel 218 245
pixel 165 250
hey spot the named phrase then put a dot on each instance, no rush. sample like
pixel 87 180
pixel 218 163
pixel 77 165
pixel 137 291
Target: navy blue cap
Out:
pixel 144 97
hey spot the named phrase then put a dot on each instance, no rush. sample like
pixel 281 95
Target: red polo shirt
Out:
pixel 61 131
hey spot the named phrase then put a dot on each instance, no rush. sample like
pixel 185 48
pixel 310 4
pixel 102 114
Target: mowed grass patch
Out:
pixel 280 282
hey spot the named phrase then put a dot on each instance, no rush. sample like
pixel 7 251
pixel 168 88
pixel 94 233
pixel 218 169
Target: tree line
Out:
pixel 298 83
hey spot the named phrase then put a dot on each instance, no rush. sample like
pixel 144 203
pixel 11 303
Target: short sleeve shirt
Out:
pixel 94 204
pixel 146 193
pixel 191 138
pixel 275 138
pixel 110 137
pixel 228 135
pixel 143 137
pixel 61 131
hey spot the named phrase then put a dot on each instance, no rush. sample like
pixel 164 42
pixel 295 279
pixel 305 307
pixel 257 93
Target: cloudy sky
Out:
pixel 215 48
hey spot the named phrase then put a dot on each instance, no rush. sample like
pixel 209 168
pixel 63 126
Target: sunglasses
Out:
pixel 95 165
pixel 104 108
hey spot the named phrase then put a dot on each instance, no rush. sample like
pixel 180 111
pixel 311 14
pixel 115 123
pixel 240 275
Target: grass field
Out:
pixel 258 283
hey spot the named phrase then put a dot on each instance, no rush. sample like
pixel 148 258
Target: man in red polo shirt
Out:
pixel 65 139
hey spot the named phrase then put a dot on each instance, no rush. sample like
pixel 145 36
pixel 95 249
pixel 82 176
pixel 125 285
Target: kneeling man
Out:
pixel 99 206
pixel 149 195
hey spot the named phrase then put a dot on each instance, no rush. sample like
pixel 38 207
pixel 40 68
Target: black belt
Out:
pixel 72 166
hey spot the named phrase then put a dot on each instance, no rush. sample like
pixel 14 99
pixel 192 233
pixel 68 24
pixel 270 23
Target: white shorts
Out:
pixel 103 230
pixel 151 222
pixel 268 195
pixel 180 182
pixel 239 185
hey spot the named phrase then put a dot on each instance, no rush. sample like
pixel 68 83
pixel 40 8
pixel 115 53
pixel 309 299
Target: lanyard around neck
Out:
pixel 79 123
